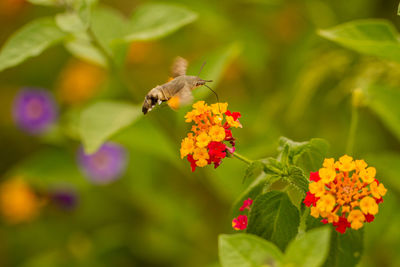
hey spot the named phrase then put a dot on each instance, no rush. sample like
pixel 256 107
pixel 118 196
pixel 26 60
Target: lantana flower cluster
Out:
pixel 345 193
pixel 240 222
pixel 206 144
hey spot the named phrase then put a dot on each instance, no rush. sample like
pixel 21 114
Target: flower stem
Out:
pixel 352 131
pixel 242 158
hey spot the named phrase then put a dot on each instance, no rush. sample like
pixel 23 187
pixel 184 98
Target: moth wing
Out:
pixel 179 67
pixel 182 98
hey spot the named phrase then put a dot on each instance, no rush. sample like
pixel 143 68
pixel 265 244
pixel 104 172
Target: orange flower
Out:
pixel 206 145
pixel 344 193
pixel 18 203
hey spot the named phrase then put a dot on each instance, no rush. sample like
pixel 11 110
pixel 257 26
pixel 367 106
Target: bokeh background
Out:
pixel 282 77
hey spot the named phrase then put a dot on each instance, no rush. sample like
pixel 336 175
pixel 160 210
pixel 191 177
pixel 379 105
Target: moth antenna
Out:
pixel 216 95
pixel 201 68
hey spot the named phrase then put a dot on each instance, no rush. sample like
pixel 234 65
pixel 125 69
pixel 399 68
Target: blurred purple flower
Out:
pixel 104 166
pixel 34 110
pixel 64 198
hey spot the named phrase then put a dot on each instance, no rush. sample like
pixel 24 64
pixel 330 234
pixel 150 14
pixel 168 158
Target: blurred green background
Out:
pixel 282 77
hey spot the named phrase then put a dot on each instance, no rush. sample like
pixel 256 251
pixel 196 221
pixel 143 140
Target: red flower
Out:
pixel 228 135
pixel 235 115
pixel 342 225
pixel 246 204
pixel 240 223
pixel 192 162
pixel 216 151
pixel 314 176
pixel 310 199
pixel 379 200
pixel 369 217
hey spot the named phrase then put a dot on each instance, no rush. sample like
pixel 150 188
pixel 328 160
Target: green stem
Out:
pixel 352 131
pixel 242 158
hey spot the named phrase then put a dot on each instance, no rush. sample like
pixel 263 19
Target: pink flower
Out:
pixel 246 204
pixel 240 223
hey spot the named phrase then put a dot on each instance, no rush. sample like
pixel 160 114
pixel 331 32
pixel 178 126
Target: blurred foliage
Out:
pixel 268 60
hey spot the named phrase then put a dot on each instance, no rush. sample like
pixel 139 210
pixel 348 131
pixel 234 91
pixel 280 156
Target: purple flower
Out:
pixel 104 166
pixel 64 198
pixel 34 110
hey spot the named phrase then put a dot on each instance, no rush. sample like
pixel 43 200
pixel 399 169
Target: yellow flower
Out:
pixel 231 121
pixel 190 116
pixel 200 153
pixel 187 147
pixel 202 140
pixel 318 188
pixel 329 163
pixel 368 205
pixel 377 191
pixel 327 175
pixel 18 203
pixel 217 133
pixel 360 165
pixel 326 203
pixel 219 108
pixel 201 162
pixel 314 212
pixel 356 218
pixel 368 175
pixel 200 107
pixel 346 163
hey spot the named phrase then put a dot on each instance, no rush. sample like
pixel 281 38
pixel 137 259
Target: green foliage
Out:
pixel 254 168
pixel 29 41
pixel 310 249
pixel 307 155
pixel 274 217
pixel 45 2
pixel 50 163
pixel 245 250
pixel 297 179
pixel 371 37
pixel 345 249
pixel 383 100
pixel 152 21
pixel 101 120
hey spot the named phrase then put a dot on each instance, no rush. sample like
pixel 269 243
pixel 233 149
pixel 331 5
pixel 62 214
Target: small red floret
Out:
pixel 240 223
pixel 314 176
pixel 192 162
pixel 310 199
pixel 369 217
pixel 342 225
pixel 246 204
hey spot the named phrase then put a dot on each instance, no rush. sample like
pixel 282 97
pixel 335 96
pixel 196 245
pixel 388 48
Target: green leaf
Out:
pixel 70 22
pixel 311 158
pixel 29 41
pixel 254 168
pixel 384 101
pixel 297 179
pixel 345 249
pixel 81 47
pixel 45 2
pixel 371 37
pixel 244 250
pixel 308 155
pixel 152 21
pixel 310 249
pixel 110 37
pixel 274 217
pixel 252 191
pixel 101 120
pixel 273 166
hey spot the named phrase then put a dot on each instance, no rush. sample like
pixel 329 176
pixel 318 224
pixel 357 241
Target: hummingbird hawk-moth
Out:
pixel 178 89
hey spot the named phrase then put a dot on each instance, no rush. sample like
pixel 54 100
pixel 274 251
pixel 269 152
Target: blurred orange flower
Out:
pixel 18 203
pixel 79 81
